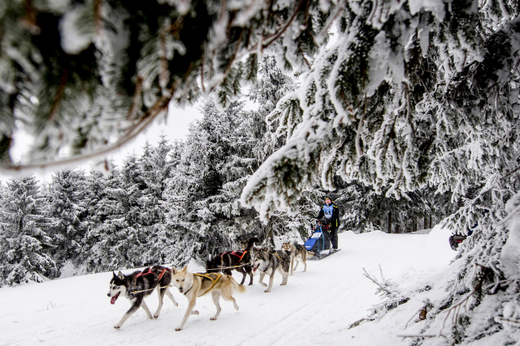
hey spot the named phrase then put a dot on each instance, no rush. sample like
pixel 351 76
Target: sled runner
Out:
pixel 323 255
pixel 319 242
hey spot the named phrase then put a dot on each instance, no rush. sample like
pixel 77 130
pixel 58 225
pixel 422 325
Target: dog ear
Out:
pixel 184 269
pixel 121 276
pixel 174 270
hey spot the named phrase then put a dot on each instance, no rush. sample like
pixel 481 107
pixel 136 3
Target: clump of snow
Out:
pixel 74 38
pixel 509 258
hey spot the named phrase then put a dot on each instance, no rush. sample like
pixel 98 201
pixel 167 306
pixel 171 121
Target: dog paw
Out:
pixel 261 283
pixel 117 326
pixel 155 316
pixel 178 329
pixel 267 291
pixel 176 304
pixel 213 319
pixel 195 312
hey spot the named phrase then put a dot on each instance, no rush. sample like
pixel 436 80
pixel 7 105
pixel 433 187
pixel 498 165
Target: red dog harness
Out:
pixel 143 273
pixel 239 254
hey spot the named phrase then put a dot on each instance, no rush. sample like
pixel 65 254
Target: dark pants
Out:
pixel 334 237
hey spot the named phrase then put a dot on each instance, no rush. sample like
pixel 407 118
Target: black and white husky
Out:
pixel 139 285
pixel 268 262
pixel 238 260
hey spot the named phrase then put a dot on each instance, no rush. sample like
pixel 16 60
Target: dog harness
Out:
pixel 274 253
pixel 149 271
pixel 144 272
pixel 207 276
pixel 237 253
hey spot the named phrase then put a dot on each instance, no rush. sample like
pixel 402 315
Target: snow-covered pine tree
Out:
pixel 67 205
pixel 112 240
pixel 155 167
pixel 410 94
pixel 274 125
pixel 26 244
pixel 200 206
pixel 226 146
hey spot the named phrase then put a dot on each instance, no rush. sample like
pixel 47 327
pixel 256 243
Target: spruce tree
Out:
pixel 67 205
pixel 26 240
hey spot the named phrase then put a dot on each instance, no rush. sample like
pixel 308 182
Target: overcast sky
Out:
pixel 174 127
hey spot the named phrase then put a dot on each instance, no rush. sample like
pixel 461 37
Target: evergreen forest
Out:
pixel 405 112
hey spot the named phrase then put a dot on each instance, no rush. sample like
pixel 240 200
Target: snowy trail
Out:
pixel 314 308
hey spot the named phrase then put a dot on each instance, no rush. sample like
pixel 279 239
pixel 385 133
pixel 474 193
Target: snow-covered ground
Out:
pixel 315 308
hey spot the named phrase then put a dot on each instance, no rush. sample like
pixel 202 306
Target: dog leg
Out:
pixel 187 314
pixel 271 279
pixel 285 276
pixel 145 308
pixel 216 300
pixel 242 270
pixel 229 297
pixel 170 295
pixel 297 261
pixel 250 272
pixel 260 281
pixel 160 293
pixel 129 313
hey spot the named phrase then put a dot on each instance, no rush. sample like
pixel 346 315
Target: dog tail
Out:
pixel 251 242
pixel 236 286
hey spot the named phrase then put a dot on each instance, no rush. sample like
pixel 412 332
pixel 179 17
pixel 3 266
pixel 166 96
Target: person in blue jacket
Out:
pixel 331 213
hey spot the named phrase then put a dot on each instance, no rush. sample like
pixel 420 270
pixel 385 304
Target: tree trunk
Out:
pixel 269 233
pixel 389 222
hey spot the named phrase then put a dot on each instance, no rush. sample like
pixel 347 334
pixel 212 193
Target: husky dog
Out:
pixel 139 285
pixel 298 254
pixel 238 260
pixel 196 285
pixel 268 262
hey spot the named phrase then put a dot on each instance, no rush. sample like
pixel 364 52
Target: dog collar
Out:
pixel 189 289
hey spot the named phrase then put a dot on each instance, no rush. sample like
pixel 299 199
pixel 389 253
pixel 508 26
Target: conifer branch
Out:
pixel 98 9
pixel 159 107
pixel 359 149
pixel 277 35
pixel 29 20
pixel 339 8
pixel 422 336
pixel 303 57
pixel 163 74
pixel 230 64
pixel 59 94
pixel 508 320
pixel 137 93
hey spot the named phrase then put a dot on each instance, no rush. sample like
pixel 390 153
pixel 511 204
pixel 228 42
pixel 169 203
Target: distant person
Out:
pixel 331 213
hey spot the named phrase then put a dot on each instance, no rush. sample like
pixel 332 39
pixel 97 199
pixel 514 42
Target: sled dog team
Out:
pixel 141 284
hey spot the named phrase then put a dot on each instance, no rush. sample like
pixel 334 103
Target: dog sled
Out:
pixel 318 243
